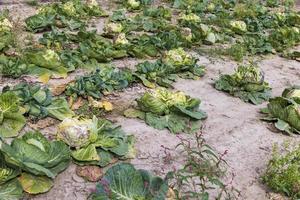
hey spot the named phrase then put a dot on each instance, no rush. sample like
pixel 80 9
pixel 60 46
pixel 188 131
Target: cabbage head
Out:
pixel 78 132
pixel 189 18
pixel 178 57
pixel 113 27
pixel 161 100
pixel 238 26
pixel 133 4
pixel 121 39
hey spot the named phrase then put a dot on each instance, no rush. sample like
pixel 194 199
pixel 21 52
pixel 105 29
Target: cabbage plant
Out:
pixel 95 141
pixel 12 67
pixel 6 33
pixel 34 154
pixel 176 63
pixel 123 181
pixel 247 83
pixel 39 102
pixel 104 80
pixel 175 111
pixel 285 111
pixel 71 14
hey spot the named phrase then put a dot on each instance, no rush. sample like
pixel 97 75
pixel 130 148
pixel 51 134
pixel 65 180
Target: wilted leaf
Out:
pixel 77 104
pixel 44 78
pixel 134 113
pixel 35 184
pixel 42 123
pixel 58 89
pixel 90 173
pixel 107 106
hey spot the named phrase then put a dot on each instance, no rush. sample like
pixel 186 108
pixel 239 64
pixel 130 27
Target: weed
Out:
pixel 32 2
pixel 201 175
pixel 283 172
pixel 88 111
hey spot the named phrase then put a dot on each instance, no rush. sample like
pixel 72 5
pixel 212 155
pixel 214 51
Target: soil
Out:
pixel 232 125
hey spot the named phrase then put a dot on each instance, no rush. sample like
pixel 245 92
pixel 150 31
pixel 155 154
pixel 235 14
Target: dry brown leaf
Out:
pixel 77 104
pixel 58 89
pixel 100 104
pixel 89 173
pixel 275 196
pixel 43 123
pixel 171 194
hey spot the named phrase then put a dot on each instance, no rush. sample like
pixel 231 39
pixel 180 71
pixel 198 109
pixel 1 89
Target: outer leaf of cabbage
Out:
pixel 39 22
pixel 7 173
pixel 59 109
pixel 193 114
pixel 293 116
pixel 286 110
pixel 11 190
pixel 11 120
pixel 277 107
pixel 35 184
pixel 45 61
pixel 293 92
pixel 6 39
pixel 175 123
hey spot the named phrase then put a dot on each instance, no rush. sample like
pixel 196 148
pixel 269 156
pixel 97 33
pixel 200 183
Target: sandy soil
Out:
pixel 232 125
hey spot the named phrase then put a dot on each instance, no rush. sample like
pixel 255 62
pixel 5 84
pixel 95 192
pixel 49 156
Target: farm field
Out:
pixel 192 51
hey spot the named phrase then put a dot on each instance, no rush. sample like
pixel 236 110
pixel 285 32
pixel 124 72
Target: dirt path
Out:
pixel 232 125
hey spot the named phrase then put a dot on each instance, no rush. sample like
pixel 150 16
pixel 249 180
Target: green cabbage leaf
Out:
pixel 285 111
